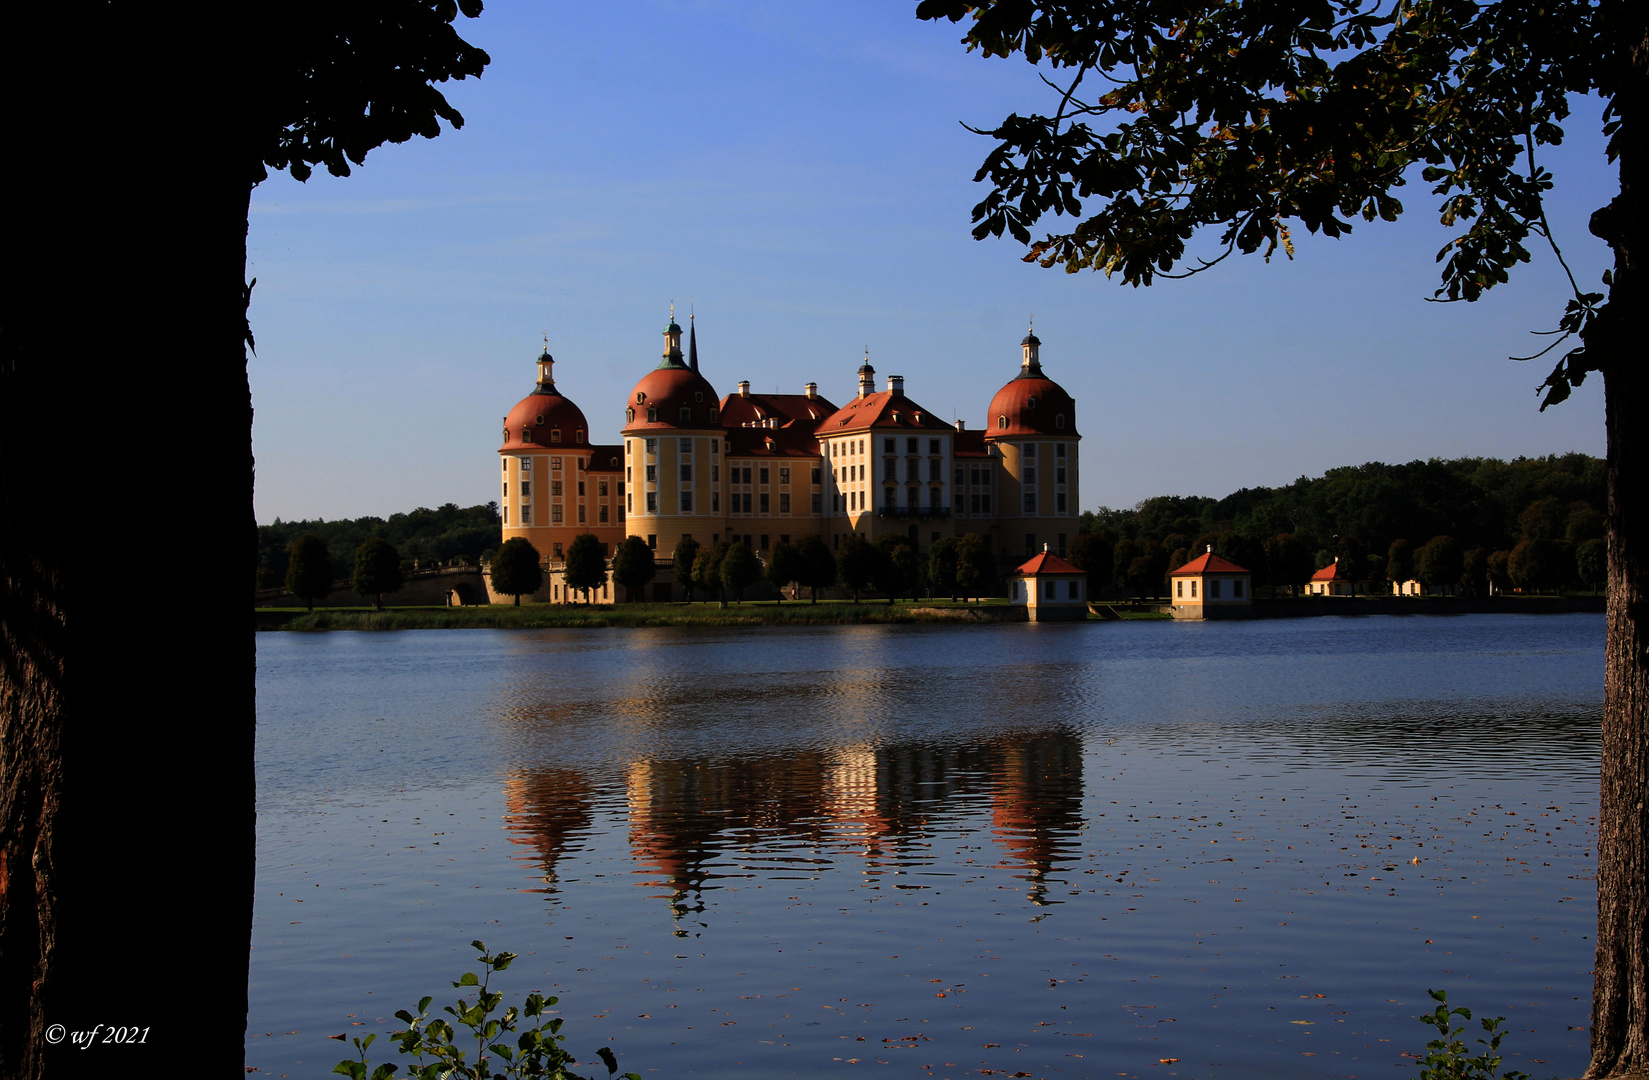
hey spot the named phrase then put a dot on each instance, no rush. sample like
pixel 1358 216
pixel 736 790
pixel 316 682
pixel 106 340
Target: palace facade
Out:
pixel 761 469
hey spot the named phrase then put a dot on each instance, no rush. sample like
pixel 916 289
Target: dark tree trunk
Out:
pixel 126 735
pixel 1620 994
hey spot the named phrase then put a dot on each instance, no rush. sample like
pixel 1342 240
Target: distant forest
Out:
pixel 1531 522
pixel 1542 510
pixel 425 538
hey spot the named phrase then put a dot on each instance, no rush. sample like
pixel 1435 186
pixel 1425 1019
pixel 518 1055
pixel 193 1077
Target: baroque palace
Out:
pixel 761 469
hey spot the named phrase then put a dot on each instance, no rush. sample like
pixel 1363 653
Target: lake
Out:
pixel 1147 849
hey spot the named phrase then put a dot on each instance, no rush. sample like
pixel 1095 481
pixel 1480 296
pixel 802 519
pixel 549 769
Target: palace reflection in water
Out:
pixel 695 821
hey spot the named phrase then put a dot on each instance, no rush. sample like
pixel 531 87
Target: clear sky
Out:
pixel 798 174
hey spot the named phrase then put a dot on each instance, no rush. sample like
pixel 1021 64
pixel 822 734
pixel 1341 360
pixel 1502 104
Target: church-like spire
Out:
pixel 692 343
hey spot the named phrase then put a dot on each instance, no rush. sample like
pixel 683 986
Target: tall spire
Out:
pixel 692 343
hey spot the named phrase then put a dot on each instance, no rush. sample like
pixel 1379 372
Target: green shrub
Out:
pixel 537 1053
pixel 1446 1056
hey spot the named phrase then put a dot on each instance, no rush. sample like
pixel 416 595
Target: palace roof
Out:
pixel 739 409
pixel 885 409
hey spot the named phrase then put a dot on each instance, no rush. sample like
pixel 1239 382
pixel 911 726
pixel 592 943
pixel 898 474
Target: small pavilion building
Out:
pixel 1211 587
pixel 1332 580
pixel 1050 589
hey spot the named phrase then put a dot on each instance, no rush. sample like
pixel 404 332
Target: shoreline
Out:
pixel 838 612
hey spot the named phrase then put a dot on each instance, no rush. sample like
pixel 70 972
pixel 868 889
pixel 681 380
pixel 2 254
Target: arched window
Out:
pixel 526 434
pixel 555 435
pixel 652 414
pixel 698 395
pixel 578 436
pixel 630 415
pixel 1002 422
pixel 686 414
pixel 1030 402
pixel 1059 420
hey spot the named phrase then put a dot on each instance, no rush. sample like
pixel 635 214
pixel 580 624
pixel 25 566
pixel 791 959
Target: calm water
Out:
pixel 1107 850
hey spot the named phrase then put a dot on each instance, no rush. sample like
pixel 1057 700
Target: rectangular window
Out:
pixel 687 472
pixel 934 465
pixel 555 464
pixel 1030 475
pixel 911 445
pixel 763 474
pixel 784 476
pixel 555 552
pixel 746 475
pixel 652 474
pixel 818 504
pixel 985 503
pixel 652 541
pixel 1179 588
pixel 1030 502
pixel 1214 589
pixel 526 515
pixel 601 488
pixel 526 464
pixel 685 446
pixel 784 502
pixel 747 502
pixel 506 463
pixel 764 498
pixel 506 515
pixel 959 476
pixel 1049 591
pixel 815 476
pixel 715 502
pixel 1073 590
pixel 1059 502
pixel 890 468
pixel 973 504
pixel 888 446
pixel 555 515
pixel 555 488
pixel 630 503
pixel 1236 589
pixel 652 447
pixel 581 513
pixel 933 446
pixel 933 499
pixel 627 472
pixel 687 502
pixel 1059 450
pixel 1193 588
pixel 1059 475
pixel 601 515
pixel 652 502
pixel 581 489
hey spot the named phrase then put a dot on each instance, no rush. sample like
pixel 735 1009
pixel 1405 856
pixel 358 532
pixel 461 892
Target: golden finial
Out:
pixel 672 309
pixel 546 341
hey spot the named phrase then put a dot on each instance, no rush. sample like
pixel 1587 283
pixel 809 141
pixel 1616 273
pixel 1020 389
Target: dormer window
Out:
pixel 1030 402
pixel 698 395
pixel 1059 420
pixel 630 415
pixel 712 414
pixel 686 414
pixel 1002 422
pixel 555 435
pixel 540 420
pixel 641 396
pixel 526 434
pixel 578 436
pixel 652 414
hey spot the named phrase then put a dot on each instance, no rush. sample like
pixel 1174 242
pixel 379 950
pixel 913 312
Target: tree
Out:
pixel 1287 561
pixel 633 566
pixel 516 569
pixel 784 565
pixel 818 565
pixel 739 570
pixel 856 562
pixel 1534 565
pixel 942 565
pixel 1258 116
pixel 975 565
pixel 1500 573
pixel 308 569
pixel 324 85
pixel 1440 563
pixel 1091 553
pixel 707 571
pixel 585 566
pixel 1591 562
pixel 682 562
pixel 896 566
pixel 377 570
pixel 1474 567
pixel 1543 519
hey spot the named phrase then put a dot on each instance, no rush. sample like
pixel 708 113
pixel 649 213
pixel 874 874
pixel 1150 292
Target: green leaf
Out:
pixel 469 979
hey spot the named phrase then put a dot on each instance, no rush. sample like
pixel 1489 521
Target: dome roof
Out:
pixel 544 418
pixel 1031 404
pixel 667 390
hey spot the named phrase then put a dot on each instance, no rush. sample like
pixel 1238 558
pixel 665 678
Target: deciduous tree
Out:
pixel 784 565
pixel 681 564
pixel 517 569
pixel 633 566
pixel 975 565
pixel 308 569
pixel 818 566
pixel 739 570
pixel 1253 118
pixel 323 84
pixel 585 567
pixel 942 565
pixel 856 562
pixel 377 570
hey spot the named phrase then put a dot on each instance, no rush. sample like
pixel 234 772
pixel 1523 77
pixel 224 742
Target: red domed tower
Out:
pixel 673 451
pixel 556 484
pixel 1031 433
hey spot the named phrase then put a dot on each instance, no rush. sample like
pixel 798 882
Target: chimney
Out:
pixel 744 388
pixel 896 384
pixel 961 425
pixel 1210 549
pixel 812 389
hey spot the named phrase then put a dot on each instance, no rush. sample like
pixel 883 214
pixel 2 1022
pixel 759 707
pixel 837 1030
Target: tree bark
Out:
pixel 1620 994
pixel 127 813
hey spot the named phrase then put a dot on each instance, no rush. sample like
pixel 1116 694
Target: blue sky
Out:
pixel 799 174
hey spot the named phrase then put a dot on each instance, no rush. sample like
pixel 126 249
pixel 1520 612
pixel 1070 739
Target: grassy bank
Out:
pixel 574 616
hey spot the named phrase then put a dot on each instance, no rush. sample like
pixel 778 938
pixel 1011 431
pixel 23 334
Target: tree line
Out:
pixel 448 535
pixel 1468 523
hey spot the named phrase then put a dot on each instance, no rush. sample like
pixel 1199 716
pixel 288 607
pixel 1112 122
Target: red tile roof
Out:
pixel 884 409
pixel 1046 562
pixel 1331 572
pixel 739 409
pixel 1209 563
